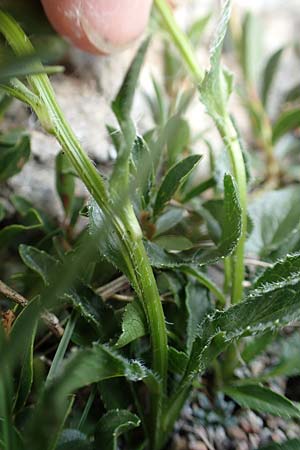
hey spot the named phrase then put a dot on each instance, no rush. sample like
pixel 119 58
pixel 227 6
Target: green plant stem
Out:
pixel 179 39
pixel 62 347
pixel 207 283
pixel 229 136
pixel 129 233
pixel 87 407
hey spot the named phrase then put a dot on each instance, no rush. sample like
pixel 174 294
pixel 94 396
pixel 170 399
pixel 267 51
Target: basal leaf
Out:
pixel 174 178
pixel 83 368
pixel 112 425
pixel 134 324
pixel 13 155
pixel 262 399
pixel 288 121
pixel 174 242
pixel 38 261
pixel 32 221
pixel 269 74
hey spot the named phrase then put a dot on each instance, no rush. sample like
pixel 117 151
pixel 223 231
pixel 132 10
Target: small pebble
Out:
pixel 237 433
pixel 242 445
pixel 197 446
pixel 278 436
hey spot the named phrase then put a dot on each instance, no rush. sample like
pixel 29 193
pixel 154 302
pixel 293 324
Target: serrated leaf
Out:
pixel 283 273
pixel 269 74
pixel 174 178
pixel 276 218
pixel 134 324
pixel 14 155
pixel 217 84
pixel 198 307
pixel 32 221
pixel 93 309
pixel 112 425
pixel 286 122
pixel 292 444
pixel 108 242
pixel 231 229
pixel 177 361
pixel 259 313
pixel 39 261
pixel 262 399
pixel 65 182
pixel 84 367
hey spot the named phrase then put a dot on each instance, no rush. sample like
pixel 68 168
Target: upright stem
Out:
pixel 124 222
pixel 228 134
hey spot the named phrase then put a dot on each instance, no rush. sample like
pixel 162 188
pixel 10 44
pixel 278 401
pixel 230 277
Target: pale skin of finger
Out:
pixel 99 26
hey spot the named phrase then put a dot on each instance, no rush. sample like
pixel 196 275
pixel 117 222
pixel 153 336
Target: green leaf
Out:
pixel 287 121
pixel 217 84
pixel 292 444
pixel 269 74
pixel 276 218
pixel 39 261
pixel 289 361
pixel 65 182
pixel 177 136
pixel 13 155
pixel 262 399
pixel 112 425
pixel 8 234
pixel 168 220
pixel 73 440
pixel 174 178
pixel 259 313
pixel 134 324
pixel 250 48
pixel 174 243
pixel 93 309
pixel 25 354
pixel 293 94
pixel 177 361
pixel 257 345
pixel 231 229
pixel 198 306
pixel 122 104
pixel 108 241
pixel 197 29
pixel 141 171
pixel 283 273
pixel 2 212
pixel 84 367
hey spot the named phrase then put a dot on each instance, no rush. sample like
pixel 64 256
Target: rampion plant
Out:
pixel 150 241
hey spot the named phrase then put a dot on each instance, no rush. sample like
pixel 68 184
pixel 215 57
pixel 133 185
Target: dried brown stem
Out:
pixel 50 319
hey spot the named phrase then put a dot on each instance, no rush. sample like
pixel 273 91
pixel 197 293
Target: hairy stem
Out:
pixel 129 233
pixel 228 134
